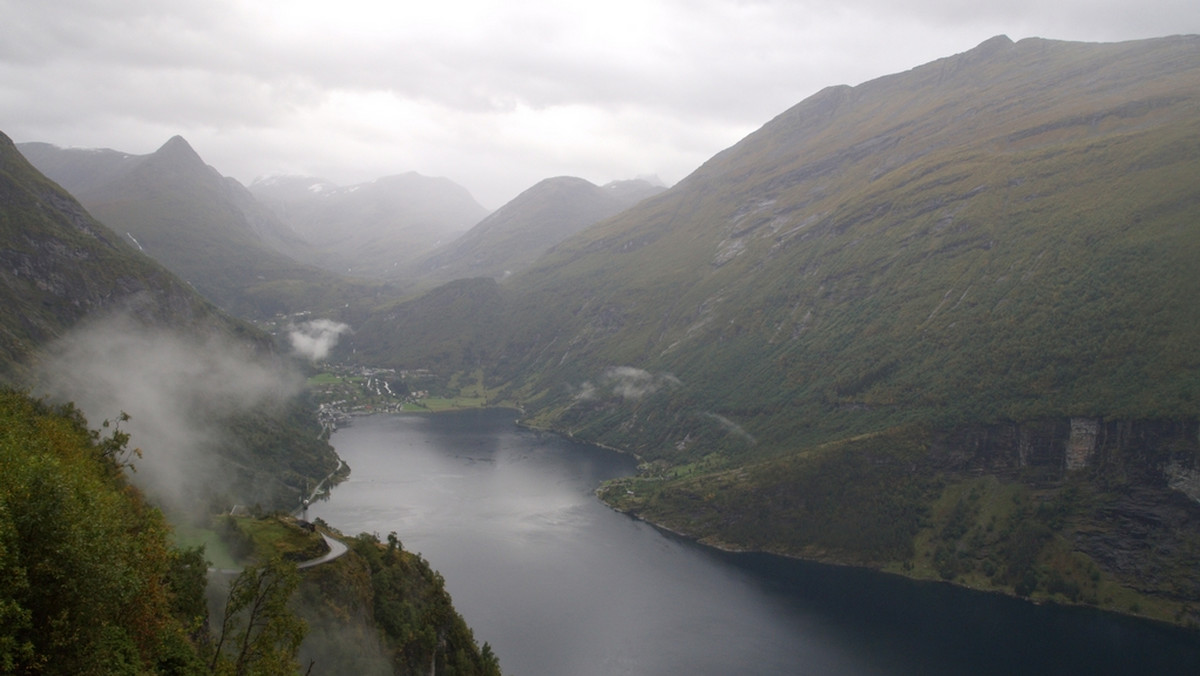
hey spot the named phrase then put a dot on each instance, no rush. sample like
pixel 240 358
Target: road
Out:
pixel 336 549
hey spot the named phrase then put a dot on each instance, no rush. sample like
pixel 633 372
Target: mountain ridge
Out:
pixel 204 227
pixel 513 236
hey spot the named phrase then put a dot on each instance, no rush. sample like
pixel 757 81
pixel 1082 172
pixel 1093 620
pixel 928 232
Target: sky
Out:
pixel 492 95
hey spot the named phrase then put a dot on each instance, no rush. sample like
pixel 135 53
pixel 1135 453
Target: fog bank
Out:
pixel 176 389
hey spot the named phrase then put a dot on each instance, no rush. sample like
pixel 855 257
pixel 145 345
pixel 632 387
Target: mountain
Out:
pixel 634 190
pixel 85 313
pixel 59 266
pixel 204 227
pixel 516 234
pixel 938 323
pixel 371 229
pixel 994 234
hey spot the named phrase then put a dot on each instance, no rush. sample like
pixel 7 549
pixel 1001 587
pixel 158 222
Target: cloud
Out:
pixel 495 96
pixel 175 388
pixel 314 339
pixel 626 382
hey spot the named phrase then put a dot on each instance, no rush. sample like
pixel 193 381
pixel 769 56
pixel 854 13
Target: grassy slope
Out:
pixel 1026 262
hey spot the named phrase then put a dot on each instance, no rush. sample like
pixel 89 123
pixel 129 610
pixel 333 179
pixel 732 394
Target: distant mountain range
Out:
pixel 204 227
pixel 370 229
pixel 289 241
pixel 60 266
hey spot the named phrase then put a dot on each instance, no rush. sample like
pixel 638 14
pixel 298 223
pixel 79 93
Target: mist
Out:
pixel 176 388
pixel 315 339
pixel 627 382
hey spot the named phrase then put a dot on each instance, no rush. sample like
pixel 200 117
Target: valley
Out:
pixel 940 325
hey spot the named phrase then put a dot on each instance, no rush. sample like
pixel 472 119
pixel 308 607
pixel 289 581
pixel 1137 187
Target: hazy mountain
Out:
pixel 371 229
pixel 61 266
pixel 88 317
pixel 634 190
pixel 939 322
pixel 206 228
pixel 516 234
pixel 80 170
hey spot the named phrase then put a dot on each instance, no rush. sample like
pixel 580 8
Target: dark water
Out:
pixel 559 584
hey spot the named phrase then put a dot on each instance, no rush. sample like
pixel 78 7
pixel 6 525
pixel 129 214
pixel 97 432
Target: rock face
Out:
pixel 1082 443
pixel 1184 479
pixel 1056 447
pixel 1142 479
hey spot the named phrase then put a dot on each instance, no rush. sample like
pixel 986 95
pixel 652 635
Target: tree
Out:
pixel 259 633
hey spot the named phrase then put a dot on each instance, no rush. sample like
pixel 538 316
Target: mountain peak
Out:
pixel 179 149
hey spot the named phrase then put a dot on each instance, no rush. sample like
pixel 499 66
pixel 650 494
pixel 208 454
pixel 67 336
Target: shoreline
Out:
pixel 719 545
pixel 731 548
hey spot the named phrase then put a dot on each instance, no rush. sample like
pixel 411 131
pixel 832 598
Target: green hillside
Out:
pixel 822 338
pixel 61 266
pixel 981 238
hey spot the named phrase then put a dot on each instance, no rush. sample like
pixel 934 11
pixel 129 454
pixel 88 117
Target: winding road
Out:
pixel 336 549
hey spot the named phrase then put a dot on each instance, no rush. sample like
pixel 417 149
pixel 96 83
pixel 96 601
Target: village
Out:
pixel 343 391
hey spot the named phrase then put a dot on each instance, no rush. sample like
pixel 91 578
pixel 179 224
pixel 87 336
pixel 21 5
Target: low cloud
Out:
pixel 627 382
pixel 176 390
pixel 315 339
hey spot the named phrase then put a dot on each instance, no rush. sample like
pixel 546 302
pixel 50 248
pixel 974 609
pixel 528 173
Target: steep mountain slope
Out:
pixel 78 300
pixel 510 239
pixel 82 171
pixel 205 228
pixel 60 266
pixel 371 229
pixel 940 322
pixel 999 234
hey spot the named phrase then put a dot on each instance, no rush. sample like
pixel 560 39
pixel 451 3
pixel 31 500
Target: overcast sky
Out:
pixel 493 95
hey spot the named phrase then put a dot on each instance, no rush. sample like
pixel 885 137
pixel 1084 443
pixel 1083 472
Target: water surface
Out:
pixel 558 583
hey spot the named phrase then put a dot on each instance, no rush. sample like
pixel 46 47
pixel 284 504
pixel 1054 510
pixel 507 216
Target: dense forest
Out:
pixel 94 584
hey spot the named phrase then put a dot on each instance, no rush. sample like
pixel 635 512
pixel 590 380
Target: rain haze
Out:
pixel 492 95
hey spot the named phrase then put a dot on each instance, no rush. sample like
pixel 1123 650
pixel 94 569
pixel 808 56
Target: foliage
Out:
pixel 259 634
pixel 859 500
pixel 89 577
pixel 415 614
